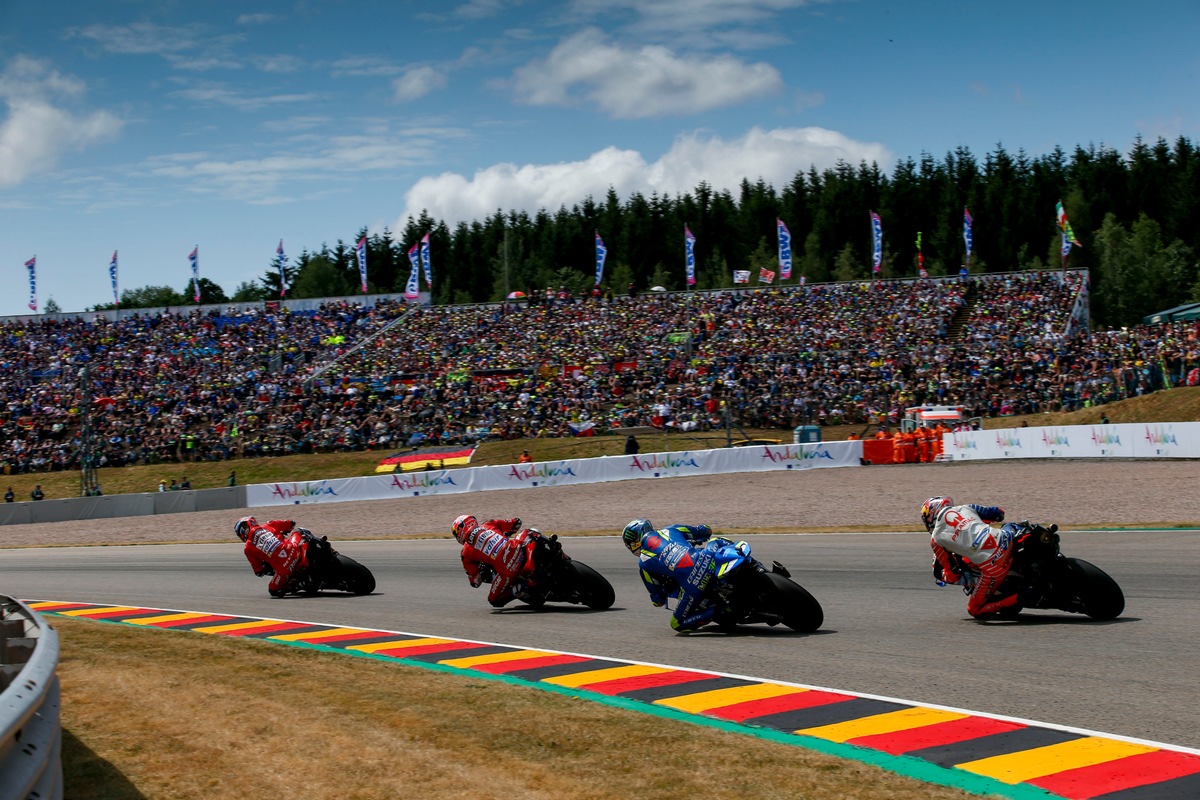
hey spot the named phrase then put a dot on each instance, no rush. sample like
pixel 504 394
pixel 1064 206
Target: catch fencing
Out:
pixel 30 732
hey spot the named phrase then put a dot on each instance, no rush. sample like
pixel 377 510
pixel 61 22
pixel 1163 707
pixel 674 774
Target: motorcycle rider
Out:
pixel 497 550
pixel 675 563
pixel 273 549
pixel 962 533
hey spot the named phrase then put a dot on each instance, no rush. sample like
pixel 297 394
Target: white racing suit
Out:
pixel 964 531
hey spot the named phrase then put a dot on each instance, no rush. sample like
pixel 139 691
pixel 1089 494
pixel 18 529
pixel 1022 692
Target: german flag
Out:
pixel 427 458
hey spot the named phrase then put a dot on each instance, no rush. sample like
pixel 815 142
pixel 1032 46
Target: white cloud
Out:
pixel 36 131
pixel 635 82
pixel 254 19
pixel 417 82
pixel 698 22
pixel 775 156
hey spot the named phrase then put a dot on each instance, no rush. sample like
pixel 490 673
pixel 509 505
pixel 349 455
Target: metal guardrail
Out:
pixel 30 733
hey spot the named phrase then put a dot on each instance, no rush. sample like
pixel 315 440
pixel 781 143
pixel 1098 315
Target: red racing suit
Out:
pixel 964 532
pixel 270 549
pixel 495 548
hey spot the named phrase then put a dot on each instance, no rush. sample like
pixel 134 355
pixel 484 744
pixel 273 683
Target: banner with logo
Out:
pixel 765 458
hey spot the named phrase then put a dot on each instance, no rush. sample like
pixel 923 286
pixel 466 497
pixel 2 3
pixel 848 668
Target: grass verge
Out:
pixel 150 714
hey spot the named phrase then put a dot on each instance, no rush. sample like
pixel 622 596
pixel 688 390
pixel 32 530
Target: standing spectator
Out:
pixel 632 447
pixel 37 493
pixel 9 496
pixel 162 486
pixel 174 487
pixel 185 483
pixel 232 479
pixel 525 458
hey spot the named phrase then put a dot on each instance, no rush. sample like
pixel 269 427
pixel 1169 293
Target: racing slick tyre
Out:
pixel 1098 593
pixel 590 587
pixel 799 609
pixel 353 577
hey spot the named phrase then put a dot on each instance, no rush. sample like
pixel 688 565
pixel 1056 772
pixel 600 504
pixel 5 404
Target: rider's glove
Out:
pixel 516 525
pixel 743 548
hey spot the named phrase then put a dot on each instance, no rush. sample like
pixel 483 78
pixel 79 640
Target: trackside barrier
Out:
pixel 1123 440
pixel 123 505
pixel 30 733
pixel 766 458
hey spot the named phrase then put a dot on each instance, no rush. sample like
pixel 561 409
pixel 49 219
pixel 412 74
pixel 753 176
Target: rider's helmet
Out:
pixel 462 526
pixel 243 527
pixel 633 533
pixel 932 507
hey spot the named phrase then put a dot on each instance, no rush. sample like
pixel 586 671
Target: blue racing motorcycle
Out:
pixel 747 592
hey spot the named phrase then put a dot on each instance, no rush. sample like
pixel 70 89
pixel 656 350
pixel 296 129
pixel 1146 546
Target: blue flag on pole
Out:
pixel 689 244
pixel 31 265
pixel 425 262
pixel 281 262
pixel 967 237
pixel 411 289
pixel 785 250
pixel 112 273
pixel 360 250
pixel 194 258
pixel 877 237
pixel 601 254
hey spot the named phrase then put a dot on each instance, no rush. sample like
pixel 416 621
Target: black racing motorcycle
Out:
pixel 328 570
pixel 557 577
pixel 1042 577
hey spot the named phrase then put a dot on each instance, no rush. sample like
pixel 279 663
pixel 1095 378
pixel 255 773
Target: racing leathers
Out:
pixel 963 532
pixel 675 563
pixel 276 548
pixel 497 550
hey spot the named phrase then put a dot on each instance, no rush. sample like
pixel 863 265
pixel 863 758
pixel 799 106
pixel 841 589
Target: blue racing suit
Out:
pixel 674 563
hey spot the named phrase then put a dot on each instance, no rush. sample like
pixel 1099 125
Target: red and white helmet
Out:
pixel 463 526
pixel 932 507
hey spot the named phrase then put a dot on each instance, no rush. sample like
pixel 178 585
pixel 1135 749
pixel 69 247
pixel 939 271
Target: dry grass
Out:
pixel 160 714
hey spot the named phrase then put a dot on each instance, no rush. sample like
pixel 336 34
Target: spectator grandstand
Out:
pixel 263 381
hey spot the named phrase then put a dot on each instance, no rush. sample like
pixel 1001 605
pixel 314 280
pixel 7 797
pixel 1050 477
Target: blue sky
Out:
pixel 153 126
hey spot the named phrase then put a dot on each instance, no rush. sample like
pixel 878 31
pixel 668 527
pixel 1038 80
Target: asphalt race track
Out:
pixel 888 629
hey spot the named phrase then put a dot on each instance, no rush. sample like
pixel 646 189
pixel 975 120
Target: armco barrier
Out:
pixel 30 733
pixel 123 505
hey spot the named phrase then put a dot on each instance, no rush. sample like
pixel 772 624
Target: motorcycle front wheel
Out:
pixel 590 587
pixel 1098 593
pixel 353 577
pixel 799 610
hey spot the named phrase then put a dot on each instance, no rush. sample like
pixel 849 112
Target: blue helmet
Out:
pixel 633 533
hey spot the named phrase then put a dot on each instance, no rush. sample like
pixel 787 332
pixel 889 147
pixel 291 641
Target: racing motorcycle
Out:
pixel 747 592
pixel 557 577
pixel 327 568
pixel 1043 577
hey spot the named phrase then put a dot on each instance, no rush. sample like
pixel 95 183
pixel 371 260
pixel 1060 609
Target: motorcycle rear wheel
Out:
pixel 1099 594
pixel 353 577
pixel 592 588
pixel 799 609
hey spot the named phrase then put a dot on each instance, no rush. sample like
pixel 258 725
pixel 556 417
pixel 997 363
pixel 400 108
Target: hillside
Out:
pixel 1174 405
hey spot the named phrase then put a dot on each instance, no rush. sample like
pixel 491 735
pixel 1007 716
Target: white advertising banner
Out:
pixel 560 473
pixel 1125 440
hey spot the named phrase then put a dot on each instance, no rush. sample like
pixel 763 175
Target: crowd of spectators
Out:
pixel 189 386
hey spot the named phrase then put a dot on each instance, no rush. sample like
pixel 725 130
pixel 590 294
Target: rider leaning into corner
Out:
pixel 497 551
pixel 962 533
pixel 674 563
pixel 272 549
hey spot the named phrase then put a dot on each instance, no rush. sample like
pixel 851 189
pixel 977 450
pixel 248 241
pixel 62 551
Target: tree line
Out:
pixel 1137 218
